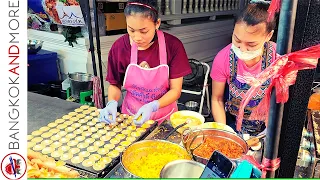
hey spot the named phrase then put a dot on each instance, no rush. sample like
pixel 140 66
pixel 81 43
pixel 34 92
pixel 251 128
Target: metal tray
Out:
pixel 89 172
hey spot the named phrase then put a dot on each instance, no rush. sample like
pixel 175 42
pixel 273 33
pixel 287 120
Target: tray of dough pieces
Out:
pixel 81 141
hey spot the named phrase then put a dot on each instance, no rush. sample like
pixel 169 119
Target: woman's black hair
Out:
pixel 147 12
pixel 257 13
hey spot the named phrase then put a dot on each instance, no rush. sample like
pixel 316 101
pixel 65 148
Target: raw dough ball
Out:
pixel 46 135
pixel 103 151
pixel 51 125
pixel 87 163
pixel 79 110
pixel 59 121
pixel 84 154
pixel 113 154
pixel 98 143
pixel 36 133
pixel 66 117
pixel 56 144
pixel 77 159
pixel 80 138
pixel 99 166
pixel 72 143
pixel 44 129
pixel 74 150
pixel 72 114
pixel 94 157
pixel 66 156
pixel 47 150
pixel 54 130
pixel 106 160
pixel 89 140
pixel 82 145
pixel 38 147
pixel 37 139
pixel 84 107
pixel 47 142
pixel 92 149
pixel 64 148
pixel 109 146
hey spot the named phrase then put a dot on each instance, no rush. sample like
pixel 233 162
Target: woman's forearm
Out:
pixel 218 112
pixel 171 96
pixel 114 93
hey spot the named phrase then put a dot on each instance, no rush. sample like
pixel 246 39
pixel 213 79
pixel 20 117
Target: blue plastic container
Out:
pixel 43 67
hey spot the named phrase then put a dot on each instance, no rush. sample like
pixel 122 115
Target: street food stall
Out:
pixel 71 134
pixel 66 139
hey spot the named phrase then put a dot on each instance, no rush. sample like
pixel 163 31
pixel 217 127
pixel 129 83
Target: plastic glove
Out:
pixel 146 111
pixel 110 109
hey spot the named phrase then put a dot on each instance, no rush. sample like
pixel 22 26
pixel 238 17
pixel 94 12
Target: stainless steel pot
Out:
pixel 182 169
pixel 80 82
pixel 142 148
pixel 197 136
pixel 192 105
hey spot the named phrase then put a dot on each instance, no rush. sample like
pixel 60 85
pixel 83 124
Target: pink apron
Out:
pixel 146 85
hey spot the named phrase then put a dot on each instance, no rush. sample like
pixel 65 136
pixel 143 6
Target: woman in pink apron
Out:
pixel 154 88
pixel 251 52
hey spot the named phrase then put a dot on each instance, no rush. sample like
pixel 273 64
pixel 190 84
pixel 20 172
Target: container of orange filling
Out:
pixel 202 143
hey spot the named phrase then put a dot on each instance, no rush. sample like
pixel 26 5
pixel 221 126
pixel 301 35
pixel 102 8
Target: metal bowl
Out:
pixel 80 77
pixel 34 46
pixel 182 169
pixel 175 117
pixel 192 105
pixel 188 139
pixel 80 82
pixel 133 153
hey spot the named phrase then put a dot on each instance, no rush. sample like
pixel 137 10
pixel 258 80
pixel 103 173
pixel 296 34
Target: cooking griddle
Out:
pixel 66 128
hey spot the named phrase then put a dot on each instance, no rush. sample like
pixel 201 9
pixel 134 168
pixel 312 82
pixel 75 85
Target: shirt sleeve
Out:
pixel 179 65
pixel 219 70
pixel 113 75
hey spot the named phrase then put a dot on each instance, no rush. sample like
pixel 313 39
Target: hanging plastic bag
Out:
pixel 282 73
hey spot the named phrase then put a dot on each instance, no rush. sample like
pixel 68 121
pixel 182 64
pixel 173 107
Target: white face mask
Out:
pixel 247 55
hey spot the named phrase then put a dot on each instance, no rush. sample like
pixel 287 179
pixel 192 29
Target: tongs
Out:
pixel 193 135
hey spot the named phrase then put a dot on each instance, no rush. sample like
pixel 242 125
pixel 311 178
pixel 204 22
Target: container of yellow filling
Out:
pixel 145 159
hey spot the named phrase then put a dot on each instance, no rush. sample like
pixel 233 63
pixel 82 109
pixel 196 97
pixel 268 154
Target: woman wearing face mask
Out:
pixel 249 53
pixel 148 63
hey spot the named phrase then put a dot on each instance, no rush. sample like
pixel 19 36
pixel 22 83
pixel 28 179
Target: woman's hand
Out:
pixel 109 110
pixel 145 111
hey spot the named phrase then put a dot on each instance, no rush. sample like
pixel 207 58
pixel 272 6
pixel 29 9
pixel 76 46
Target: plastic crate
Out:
pixel 43 67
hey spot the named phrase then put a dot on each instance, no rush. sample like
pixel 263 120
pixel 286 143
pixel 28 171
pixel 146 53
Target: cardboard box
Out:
pixel 111 7
pixel 115 21
pixel 114 13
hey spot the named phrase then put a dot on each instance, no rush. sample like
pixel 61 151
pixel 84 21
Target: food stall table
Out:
pixel 44 109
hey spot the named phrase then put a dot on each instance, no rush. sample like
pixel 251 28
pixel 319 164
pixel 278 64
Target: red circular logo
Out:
pixel 13 166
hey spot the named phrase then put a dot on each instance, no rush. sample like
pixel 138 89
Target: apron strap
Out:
pixel 162 47
pixel 134 53
pixel 162 50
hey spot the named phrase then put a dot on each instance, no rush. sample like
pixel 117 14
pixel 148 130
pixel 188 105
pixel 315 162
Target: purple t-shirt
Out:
pixel 120 53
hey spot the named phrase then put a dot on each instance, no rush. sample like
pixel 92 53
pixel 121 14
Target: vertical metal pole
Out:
pixel 284 44
pixel 91 48
pixel 99 50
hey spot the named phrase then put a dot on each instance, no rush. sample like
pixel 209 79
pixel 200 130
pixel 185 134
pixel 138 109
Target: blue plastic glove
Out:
pixel 110 109
pixel 146 111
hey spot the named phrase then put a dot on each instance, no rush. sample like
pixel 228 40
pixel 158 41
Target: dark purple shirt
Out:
pixel 120 52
